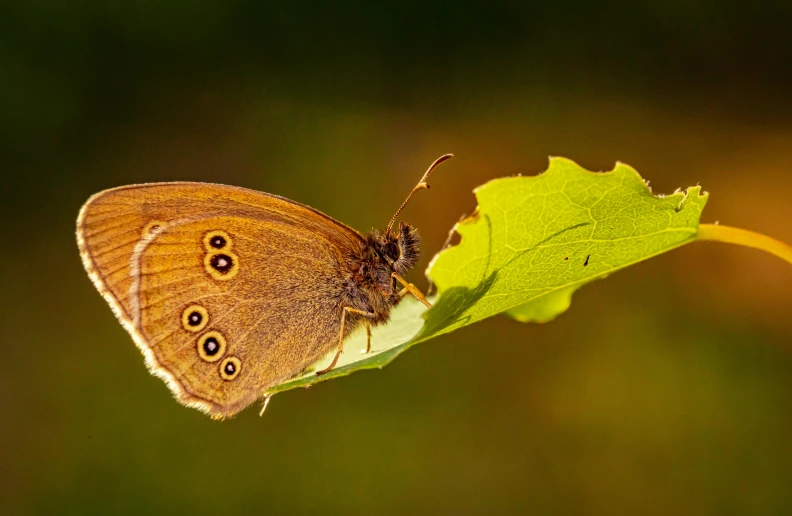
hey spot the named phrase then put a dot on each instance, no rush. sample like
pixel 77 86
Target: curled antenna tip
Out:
pixel 434 164
pixel 421 185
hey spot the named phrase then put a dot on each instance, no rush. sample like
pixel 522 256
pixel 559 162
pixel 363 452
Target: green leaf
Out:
pixel 532 242
pixel 546 308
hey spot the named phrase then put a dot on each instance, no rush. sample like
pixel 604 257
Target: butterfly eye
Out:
pixel 216 240
pixel 195 318
pixel 230 367
pixel 392 250
pixel 211 346
pixel 222 266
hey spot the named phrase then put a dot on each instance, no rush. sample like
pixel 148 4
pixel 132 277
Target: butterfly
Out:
pixel 228 292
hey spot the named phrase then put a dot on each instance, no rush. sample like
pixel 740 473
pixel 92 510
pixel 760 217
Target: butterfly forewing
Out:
pixel 225 294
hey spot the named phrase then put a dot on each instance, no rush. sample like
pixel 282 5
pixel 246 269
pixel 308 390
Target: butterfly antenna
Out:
pixel 420 186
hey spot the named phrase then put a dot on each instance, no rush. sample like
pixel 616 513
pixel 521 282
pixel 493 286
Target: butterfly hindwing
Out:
pixel 269 297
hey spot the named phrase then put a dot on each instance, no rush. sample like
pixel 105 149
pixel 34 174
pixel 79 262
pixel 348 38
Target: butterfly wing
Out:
pixel 225 290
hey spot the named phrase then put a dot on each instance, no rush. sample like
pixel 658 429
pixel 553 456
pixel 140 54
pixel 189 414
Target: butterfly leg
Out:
pixel 347 309
pixel 368 340
pixel 412 289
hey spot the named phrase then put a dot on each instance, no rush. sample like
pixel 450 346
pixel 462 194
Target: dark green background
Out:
pixel 665 389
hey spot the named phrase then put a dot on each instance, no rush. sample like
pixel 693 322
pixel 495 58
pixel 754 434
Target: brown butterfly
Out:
pixel 229 292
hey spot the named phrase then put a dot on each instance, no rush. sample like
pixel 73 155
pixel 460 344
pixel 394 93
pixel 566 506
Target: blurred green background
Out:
pixel 664 389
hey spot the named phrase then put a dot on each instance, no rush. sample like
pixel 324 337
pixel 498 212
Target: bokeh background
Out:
pixel 665 389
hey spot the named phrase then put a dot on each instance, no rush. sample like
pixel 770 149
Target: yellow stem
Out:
pixel 746 238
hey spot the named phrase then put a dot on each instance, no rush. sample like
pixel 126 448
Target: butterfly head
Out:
pixel 398 247
pixel 372 287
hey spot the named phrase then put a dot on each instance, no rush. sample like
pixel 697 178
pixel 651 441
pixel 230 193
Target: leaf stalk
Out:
pixel 743 237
